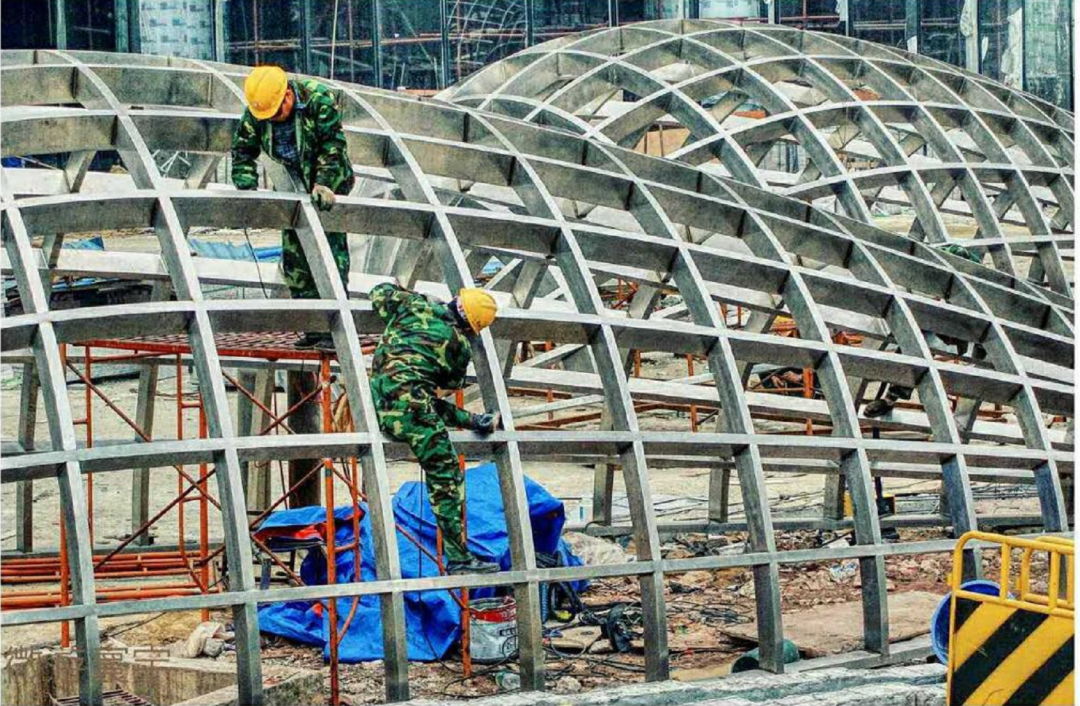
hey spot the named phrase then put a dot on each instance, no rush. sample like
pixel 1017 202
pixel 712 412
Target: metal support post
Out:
pixel 971 42
pixel 219 30
pixel 134 26
pixel 530 23
pixel 444 43
pixel 120 25
pixel 306 62
pixel 61 24
pixel 376 43
pixel 912 25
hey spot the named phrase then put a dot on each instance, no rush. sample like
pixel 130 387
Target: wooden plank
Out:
pixel 837 627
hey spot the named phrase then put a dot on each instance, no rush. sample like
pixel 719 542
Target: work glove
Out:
pixel 322 197
pixel 486 423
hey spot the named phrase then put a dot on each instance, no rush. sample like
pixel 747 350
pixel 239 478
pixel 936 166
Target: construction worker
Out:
pixel 296 123
pixel 894 393
pixel 426 345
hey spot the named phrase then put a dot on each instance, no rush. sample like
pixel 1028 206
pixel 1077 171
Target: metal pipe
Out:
pixel 331 534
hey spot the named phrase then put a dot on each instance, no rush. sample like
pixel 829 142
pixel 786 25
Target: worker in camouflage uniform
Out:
pixel 894 393
pixel 426 345
pixel 296 123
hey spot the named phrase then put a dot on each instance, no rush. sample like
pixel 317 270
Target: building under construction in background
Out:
pixel 426 45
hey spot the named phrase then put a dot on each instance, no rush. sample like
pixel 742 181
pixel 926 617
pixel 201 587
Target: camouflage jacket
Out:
pixel 959 251
pixel 324 158
pixel 421 349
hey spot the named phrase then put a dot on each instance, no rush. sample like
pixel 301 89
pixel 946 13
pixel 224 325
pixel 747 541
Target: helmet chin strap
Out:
pixel 459 317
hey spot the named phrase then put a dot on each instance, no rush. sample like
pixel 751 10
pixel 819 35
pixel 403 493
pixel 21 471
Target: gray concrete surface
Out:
pixel 30 679
pixel 920 685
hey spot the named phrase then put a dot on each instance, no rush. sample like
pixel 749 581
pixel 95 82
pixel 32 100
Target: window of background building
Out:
pixel 641 10
pixel 555 18
pixel 939 31
pixel 351 47
pixel 817 15
pixel 731 9
pixel 482 32
pixel 262 32
pixel 877 21
pixel 994 36
pixel 27 24
pixel 1047 47
pixel 91 25
pixel 411 44
pixel 175 28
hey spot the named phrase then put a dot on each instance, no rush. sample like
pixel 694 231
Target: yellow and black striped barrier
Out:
pixel 1015 647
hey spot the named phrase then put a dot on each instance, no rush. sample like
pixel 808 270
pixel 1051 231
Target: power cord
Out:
pixel 255 259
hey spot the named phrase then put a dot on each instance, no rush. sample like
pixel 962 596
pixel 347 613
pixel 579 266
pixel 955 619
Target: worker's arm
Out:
pixel 245 150
pixel 329 144
pixel 452 415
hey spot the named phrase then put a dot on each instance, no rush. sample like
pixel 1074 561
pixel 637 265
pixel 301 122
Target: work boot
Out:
pixel 321 341
pixel 879 408
pixel 472 565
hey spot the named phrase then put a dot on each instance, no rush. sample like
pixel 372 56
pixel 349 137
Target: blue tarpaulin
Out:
pixel 230 251
pixel 432 618
pixel 95 242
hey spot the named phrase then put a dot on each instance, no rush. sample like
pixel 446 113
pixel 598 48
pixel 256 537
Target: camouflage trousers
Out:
pixel 298 275
pixel 408 414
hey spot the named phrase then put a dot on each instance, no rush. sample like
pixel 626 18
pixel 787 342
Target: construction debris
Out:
pixel 207 640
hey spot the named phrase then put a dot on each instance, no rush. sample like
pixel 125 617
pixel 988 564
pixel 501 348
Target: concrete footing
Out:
pixel 921 685
pixel 29 679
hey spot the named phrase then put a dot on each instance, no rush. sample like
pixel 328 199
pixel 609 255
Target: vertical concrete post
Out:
pixel 24 490
pixel 257 475
pixel 245 413
pixel 305 420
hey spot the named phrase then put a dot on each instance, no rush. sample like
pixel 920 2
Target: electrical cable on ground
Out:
pixel 255 259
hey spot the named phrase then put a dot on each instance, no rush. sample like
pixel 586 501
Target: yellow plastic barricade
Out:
pixel 1015 647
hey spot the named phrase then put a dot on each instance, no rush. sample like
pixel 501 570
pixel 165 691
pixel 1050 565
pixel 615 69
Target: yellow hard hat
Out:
pixel 478 307
pixel 264 90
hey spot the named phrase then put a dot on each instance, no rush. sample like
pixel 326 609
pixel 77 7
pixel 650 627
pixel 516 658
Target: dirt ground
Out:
pixel 700 605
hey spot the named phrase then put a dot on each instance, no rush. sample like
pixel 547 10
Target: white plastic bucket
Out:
pixel 492 629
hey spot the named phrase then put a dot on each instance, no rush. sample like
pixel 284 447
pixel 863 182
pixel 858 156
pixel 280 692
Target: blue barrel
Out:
pixel 939 624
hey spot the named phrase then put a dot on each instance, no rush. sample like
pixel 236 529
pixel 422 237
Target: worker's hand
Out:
pixel 486 423
pixel 322 197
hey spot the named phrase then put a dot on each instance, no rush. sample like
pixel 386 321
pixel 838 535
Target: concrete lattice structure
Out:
pixel 446 186
pixel 874 124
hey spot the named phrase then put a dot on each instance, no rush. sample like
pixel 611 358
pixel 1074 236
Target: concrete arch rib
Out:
pixel 847 79
pixel 580 211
